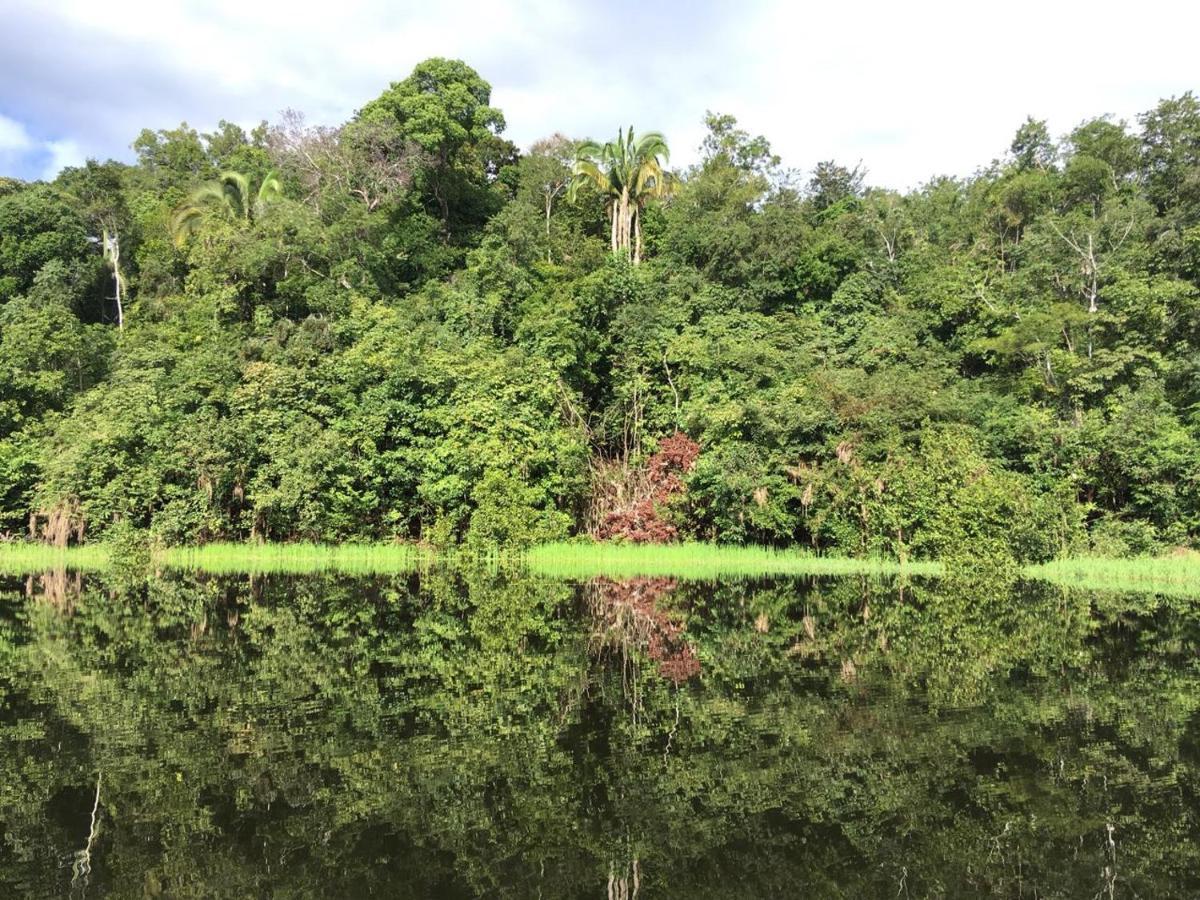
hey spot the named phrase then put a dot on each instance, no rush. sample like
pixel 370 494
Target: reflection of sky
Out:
pixel 912 89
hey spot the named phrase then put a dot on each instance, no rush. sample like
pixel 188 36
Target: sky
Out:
pixel 910 89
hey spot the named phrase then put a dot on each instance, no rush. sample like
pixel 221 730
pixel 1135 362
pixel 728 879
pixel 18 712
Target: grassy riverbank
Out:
pixel 1169 574
pixel 1174 574
pixel 570 560
pixel 299 559
pixel 19 558
pixel 562 560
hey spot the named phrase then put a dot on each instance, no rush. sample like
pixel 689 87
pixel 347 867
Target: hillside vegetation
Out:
pixel 404 327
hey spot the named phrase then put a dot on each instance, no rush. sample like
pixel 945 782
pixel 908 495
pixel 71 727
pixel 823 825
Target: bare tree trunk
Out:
pixel 622 240
pixel 112 253
pixel 622 243
pixel 120 311
pixel 1090 267
pixel 625 227
pixel 81 868
pixel 625 233
pixel 637 230
pixel 674 390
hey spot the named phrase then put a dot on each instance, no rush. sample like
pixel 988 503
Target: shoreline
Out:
pixel 584 560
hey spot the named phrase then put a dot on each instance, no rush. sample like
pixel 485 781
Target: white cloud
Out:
pixel 940 87
pixel 15 143
pixel 60 155
pixel 19 151
pixel 910 89
pixel 13 136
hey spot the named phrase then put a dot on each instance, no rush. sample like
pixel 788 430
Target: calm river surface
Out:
pixel 473 734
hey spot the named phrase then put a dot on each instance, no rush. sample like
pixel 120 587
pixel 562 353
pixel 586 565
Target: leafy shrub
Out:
pixel 511 513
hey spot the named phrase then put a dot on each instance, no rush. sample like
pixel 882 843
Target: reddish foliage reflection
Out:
pixel 628 615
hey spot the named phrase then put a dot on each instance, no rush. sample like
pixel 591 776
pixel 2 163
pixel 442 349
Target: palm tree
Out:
pixel 229 196
pixel 627 172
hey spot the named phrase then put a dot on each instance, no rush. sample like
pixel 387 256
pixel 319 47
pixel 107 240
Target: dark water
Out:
pixel 481 735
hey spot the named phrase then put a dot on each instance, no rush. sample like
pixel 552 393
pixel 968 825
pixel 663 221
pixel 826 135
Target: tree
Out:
pixel 832 183
pixel 1171 152
pixel 111 245
pixel 628 173
pixel 547 170
pixel 230 196
pixel 173 156
pixel 1109 142
pixel 886 213
pixel 732 217
pixel 1031 146
pixel 96 190
pixel 229 147
pixel 734 146
pixel 443 108
pixel 36 226
pixel 371 163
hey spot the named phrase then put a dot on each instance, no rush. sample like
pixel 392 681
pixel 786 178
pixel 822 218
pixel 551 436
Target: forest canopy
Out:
pixel 403 327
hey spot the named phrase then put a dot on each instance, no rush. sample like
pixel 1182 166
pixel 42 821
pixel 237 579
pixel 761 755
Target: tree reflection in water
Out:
pixel 459 734
pixel 631 618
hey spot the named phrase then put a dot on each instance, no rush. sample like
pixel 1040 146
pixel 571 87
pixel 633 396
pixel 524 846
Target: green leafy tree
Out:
pixel 1032 146
pixel 37 225
pixel 444 108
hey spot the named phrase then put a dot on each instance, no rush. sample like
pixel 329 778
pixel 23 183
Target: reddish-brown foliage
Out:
pixel 640 520
pixel 639 523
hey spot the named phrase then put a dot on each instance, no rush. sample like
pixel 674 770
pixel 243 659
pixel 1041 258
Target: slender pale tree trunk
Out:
pixel 625 225
pixel 620 214
pixel 637 231
pixel 112 253
pixel 120 311
pixel 622 241
pixel 632 222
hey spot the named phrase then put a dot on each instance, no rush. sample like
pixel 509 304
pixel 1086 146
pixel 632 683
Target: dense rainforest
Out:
pixel 404 327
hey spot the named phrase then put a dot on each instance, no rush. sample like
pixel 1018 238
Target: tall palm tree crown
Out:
pixel 230 196
pixel 627 172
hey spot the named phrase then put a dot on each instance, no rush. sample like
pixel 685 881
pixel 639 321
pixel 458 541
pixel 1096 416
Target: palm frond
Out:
pixel 237 193
pixel 185 222
pixel 228 195
pixel 653 143
pixel 271 187
pixel 270 190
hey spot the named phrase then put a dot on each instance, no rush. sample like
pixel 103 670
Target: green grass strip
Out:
pixel 703 561
pixel 299 559
pixel 1165 574
pixel 1176 575
pixel 22 558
